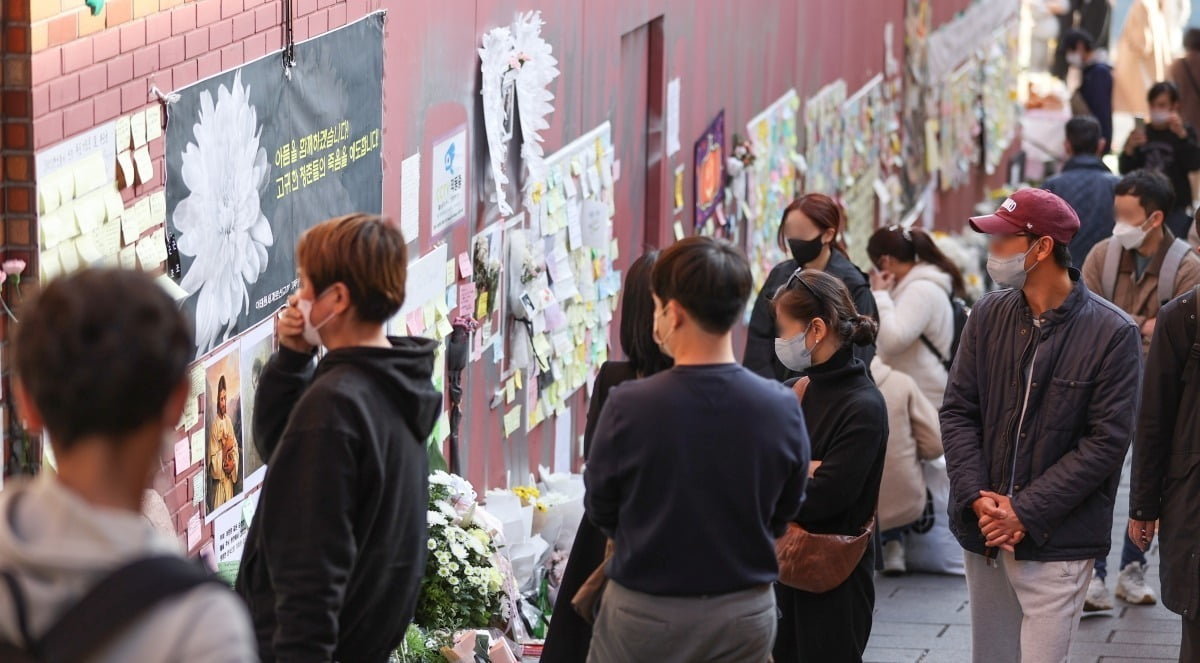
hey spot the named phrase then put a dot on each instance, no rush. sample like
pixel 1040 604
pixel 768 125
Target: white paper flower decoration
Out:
pixel 521 54
pixel 221 223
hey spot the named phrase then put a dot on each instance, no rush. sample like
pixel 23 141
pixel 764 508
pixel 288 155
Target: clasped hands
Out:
pixel 998 521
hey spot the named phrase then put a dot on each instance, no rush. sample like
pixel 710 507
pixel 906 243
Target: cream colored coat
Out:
pixel 914 436
pixel 1143 57
pixel 919 304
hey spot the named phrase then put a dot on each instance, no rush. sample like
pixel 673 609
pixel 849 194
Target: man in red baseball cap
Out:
pixel 1038 415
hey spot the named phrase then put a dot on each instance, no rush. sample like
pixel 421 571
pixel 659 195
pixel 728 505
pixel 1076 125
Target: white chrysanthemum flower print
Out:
pixel 221 223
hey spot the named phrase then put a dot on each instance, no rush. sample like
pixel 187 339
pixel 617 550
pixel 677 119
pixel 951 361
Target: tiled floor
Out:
pixel 925 618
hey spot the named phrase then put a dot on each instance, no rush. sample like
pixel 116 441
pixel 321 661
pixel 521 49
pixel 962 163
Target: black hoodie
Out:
pixel 335 555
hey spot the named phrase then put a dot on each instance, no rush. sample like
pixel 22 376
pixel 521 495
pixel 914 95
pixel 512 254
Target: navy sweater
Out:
pixel 693 473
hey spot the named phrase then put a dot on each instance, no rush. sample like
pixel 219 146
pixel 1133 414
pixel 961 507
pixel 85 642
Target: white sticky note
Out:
pixel 193 532
pixel 198 488
pixel 48 199
pixel 562 441
pixel 153 122
pixel 410 197
pixel 90 212
pixel 152 251
pixel 128 257
pixel 141 213
pixel 672 116
pixel 49 265
pixel 114 206
pixel 197 444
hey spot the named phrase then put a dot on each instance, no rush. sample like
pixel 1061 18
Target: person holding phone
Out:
pixel 1168 145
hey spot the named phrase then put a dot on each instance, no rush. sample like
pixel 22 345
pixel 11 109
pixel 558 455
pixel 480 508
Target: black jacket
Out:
pixel 1087 185
pixel 1165 483
pixel 1061 459
pixel 1170 155
pixel 335 555
pixel 760 338
pixel 847 424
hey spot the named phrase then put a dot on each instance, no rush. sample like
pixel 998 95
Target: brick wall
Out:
pixel 84 70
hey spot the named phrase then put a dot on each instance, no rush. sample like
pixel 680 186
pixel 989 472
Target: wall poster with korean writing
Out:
pixel 257 155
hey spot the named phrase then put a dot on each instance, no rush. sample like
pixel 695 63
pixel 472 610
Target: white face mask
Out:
pixel 1130 236
pixel 1075 59
pixel 1160 117
pixel 1010 272
pixel 794 353
pixel 312 334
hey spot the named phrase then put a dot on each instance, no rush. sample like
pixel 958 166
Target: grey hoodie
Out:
pixel 60 546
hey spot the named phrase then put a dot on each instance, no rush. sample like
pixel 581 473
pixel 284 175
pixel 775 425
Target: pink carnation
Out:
pixel 13 267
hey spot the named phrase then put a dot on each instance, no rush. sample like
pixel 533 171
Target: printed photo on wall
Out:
pixel 257 346
pixel 486 261
pixel 223 421
pixel 710 170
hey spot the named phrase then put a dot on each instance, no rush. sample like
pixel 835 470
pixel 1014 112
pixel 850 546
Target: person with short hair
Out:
pixel 1170 146
pixel 1086 184
pixel 334 557
pixel 101 362
pixel 700 466
pixel 1094 95
pixel 1038 416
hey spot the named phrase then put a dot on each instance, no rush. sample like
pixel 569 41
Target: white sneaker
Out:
pixel 1131 585
pixel 1098 597
pixel 893 559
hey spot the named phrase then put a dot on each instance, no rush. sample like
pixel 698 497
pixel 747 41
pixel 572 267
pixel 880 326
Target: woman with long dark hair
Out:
pixel 811 230
pixel 570 635
pixel 847 423
pixel 913 283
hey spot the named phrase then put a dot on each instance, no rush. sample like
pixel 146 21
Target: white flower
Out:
pixel 440 478
pixel 453 581
pixel 435 518
pixel 458 550
pixel 432 544
pixel 220 222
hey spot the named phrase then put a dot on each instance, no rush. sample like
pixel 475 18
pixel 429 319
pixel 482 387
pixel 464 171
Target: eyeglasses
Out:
pixel 796 277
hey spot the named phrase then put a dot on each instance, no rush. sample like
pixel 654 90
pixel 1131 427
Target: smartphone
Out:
pixel 1139 123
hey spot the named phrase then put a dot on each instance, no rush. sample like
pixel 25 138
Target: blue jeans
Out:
pixel 1130 553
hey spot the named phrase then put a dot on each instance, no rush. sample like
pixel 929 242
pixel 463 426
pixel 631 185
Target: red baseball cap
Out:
pixel 1033 211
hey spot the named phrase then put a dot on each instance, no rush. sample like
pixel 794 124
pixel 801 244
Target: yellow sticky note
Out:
pixel 141 211
pixel 65 182
pixel 137 126
pixel 679 187
pixel 517 379
pixel 510 391
pixel 429 314
pixel 114 206
pixel 512 421
pixel 450 272
pixel 197 442
pixel 68 255
pixel 48 199
pixel 131 226
pixel 614 251
pixel 50 265
pixel 90 212
pixel 125 161
pixel 158 208
pixel 123 133
pixel 444 328
pixel 128 257
pixel 89 174
pixel 88 251
pixel 145 168
pixel 108 238
pixel 153 122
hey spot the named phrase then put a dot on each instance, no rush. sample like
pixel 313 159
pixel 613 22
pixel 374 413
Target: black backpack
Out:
pixel 104 612
pixel 961 311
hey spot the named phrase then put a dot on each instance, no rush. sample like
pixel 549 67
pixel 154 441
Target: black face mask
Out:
pixel 805 251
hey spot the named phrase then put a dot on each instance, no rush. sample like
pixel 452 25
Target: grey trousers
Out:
pixel 1024 612
pixel 634 627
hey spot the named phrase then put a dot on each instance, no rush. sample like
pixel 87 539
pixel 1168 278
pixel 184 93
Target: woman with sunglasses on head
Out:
pixel 811 230
pixel 913 283
pixel 847 422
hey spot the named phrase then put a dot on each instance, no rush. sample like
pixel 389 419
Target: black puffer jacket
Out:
pixel 1060 450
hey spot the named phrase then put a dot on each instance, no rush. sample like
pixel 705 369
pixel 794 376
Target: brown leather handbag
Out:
pixel 818 563
pixel 587 598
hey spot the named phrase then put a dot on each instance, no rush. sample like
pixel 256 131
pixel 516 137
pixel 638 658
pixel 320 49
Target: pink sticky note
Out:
pixel 464 265
pixel 416 322
pixel 193 532
pixel 466 299
pixel 183 456
pixel 616 171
